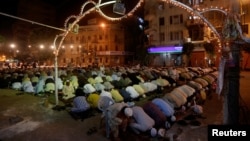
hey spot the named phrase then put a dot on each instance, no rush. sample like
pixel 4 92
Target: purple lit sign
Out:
pixel 165 49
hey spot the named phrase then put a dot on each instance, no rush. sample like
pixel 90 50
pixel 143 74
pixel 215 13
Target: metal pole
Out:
pixel 232 77
pixel 232 74
pixel 56 80
pixel 56 70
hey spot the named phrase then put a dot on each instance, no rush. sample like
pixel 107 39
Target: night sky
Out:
pixel 64 8
pixel 6 6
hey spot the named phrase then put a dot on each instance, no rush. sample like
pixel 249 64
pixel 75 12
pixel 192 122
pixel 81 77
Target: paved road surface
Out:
pixel 26 118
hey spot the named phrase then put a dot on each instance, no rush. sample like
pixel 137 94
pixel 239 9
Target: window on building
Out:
pixel 107 60
pixel 181 18
pixel 100 47
pixel 161 21
pixel 106 47
pixel 89 37
pixel 162 36
pixel 100 37
pixel 116 38
pixel 176 19
pixel 176 35
pixel 83 39
pixel 95 38
pixel 116 48
pixel 106 37
pixel 96 48
pixel 196 2
pixel 245 28
pixel 196 32
pixel 100 60
pixel 83 60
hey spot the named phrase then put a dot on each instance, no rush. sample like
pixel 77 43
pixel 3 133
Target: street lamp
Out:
pixel 13 46
pixel 103 25
pixel 118 7
pixel 41 46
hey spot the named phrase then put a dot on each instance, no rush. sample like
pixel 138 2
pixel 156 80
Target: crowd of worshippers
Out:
pixel 84 88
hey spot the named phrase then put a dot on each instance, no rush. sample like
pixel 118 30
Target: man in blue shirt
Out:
pixel 81 108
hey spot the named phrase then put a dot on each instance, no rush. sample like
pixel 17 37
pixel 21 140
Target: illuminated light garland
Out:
pixel 214 9
pixel 96 7
pixel 122 17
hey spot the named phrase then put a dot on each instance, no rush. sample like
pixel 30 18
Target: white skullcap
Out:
pixel 173 118
pixel 128 112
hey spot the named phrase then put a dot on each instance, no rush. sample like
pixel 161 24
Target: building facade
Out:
pixel 171 25
pixel 94 45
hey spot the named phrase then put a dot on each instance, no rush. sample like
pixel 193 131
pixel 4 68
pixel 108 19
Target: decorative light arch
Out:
pixel 58 40
pixel 97 5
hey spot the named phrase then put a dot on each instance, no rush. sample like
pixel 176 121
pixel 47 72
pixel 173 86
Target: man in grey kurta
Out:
pixel 142 121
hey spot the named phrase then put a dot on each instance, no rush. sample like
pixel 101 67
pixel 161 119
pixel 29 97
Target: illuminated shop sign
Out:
pixel 170 49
